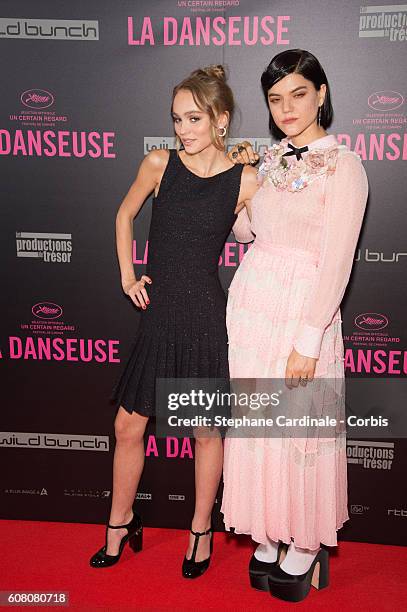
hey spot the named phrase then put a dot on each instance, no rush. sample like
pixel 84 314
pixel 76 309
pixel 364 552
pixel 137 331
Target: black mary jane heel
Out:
pixel 259 571
pixel 134 537
pixel 192 568
pixel 295 588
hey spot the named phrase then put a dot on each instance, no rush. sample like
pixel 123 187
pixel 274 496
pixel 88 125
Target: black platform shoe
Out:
pixel 134 536
pixel 259 571
pixel 296 588
pixel 192 568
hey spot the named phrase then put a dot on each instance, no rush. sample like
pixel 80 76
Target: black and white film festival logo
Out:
pixel 386 21
pixel 145 496
pixel 90 493
pixel 397 512
pixel 46 29
pixel 370 454
pixel 152 143
pixel 54 441
pixel 42 491
pixel 51 248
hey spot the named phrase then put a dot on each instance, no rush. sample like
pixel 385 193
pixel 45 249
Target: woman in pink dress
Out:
pixel 284 321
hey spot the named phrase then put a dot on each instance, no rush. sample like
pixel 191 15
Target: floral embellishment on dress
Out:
pixel 288 173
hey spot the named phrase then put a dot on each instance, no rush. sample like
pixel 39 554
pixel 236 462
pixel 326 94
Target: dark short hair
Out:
pixel 304 63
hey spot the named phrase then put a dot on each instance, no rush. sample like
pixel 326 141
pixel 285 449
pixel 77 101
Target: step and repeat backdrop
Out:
pixel 86 94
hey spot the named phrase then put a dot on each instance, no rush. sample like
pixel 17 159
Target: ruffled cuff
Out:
pixel 308 341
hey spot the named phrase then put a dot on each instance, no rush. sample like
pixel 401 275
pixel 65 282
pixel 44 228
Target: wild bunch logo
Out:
pixel 54 441
pixel 49 29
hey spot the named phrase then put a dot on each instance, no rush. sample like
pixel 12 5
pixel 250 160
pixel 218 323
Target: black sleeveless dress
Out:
pixel 182 333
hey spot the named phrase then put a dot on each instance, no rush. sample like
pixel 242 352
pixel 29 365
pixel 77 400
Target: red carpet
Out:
pixel 41 556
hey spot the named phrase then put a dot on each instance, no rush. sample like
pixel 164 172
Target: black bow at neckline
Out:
pixel 295 151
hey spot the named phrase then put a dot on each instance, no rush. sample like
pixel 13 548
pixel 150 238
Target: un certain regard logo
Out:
pixel 46 310
pixel 371 321
pixel 385 100
pixel 37 98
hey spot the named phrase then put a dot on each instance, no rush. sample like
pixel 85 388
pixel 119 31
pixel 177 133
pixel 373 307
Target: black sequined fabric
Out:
pixel 182 333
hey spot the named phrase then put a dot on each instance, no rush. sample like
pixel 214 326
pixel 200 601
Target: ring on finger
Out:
pixel 241 148
pixel 234 154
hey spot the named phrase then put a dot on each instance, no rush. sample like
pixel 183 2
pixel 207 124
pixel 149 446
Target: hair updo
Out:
pixel 211 94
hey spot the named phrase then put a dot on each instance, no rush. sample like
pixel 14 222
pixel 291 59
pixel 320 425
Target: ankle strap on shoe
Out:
pixel 122 526
pixel 197 535
pixel 201 533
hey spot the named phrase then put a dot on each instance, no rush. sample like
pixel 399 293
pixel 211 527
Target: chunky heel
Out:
pixel 136 540
pixel 134 537
pixel 320 577
pixel 259 571
pixel 295 588
pixel 260 581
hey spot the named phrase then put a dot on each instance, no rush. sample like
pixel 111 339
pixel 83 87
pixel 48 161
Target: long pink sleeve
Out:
pixel 241 227
pixel 345 203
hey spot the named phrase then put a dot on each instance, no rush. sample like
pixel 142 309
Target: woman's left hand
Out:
pixel 300 369
pixel 243 153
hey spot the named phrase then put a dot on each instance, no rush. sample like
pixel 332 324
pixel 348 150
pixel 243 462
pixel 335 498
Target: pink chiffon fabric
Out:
pixel 286 294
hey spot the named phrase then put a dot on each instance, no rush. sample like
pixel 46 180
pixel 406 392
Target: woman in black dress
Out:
pixel 197 195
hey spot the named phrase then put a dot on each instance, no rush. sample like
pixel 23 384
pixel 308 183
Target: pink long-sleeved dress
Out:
pixel 306 220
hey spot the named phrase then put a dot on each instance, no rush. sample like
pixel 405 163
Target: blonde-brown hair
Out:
pixel 211 94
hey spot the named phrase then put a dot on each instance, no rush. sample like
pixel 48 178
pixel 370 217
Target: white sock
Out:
pixel 267 552
pixel 298 560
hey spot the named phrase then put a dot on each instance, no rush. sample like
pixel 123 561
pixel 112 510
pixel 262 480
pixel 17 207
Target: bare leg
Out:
pixel 128 465
pixel 208 470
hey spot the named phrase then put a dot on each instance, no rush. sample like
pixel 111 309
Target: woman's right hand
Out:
pixel 136 291
pixel 243 153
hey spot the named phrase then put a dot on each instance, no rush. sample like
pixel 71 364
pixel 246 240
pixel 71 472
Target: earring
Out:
pixel 319 115
pixel 223 134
